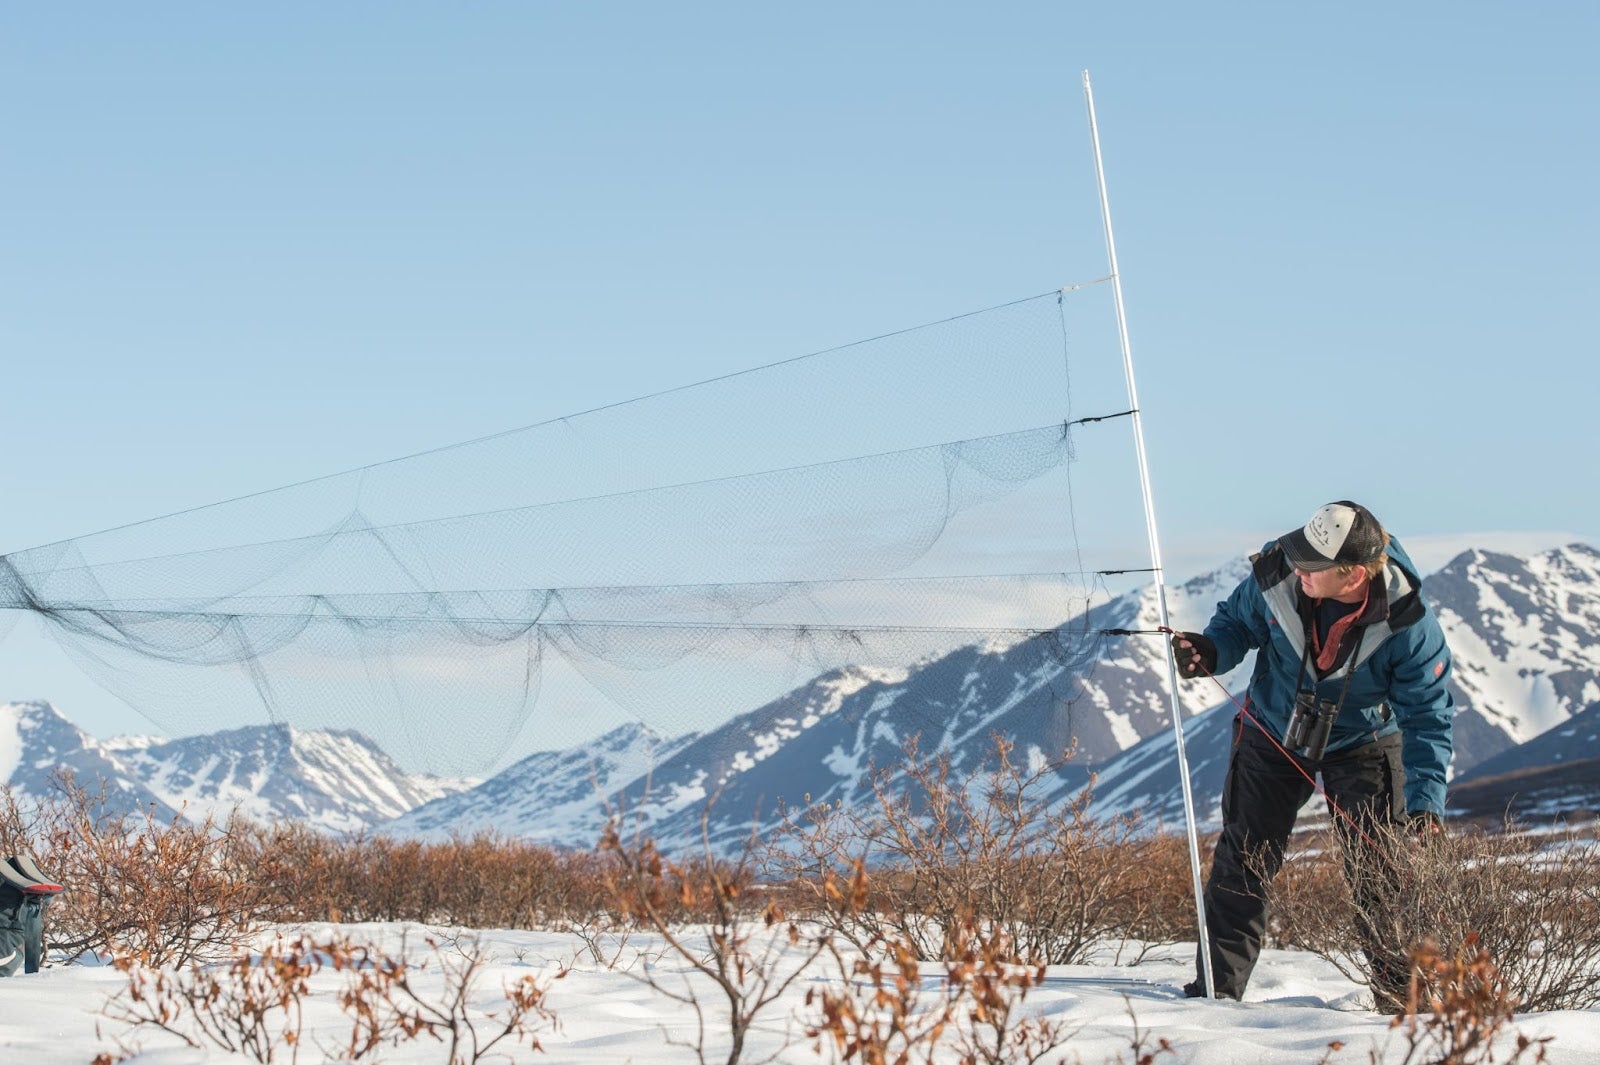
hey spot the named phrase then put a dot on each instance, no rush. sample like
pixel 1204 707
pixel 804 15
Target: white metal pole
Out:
pixel 1155 543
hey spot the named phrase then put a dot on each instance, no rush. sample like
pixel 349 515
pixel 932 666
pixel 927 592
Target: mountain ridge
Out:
pixel 337 781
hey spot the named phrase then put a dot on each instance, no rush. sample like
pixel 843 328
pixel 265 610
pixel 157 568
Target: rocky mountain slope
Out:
pixel 336 781
pixel 1555 776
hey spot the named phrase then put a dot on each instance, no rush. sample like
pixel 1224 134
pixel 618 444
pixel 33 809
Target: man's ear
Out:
pixel 1355 580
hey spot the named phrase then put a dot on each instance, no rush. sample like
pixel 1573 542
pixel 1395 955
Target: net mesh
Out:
pixel 675 559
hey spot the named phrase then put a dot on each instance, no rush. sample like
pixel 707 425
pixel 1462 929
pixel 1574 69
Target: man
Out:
pixel 1351 680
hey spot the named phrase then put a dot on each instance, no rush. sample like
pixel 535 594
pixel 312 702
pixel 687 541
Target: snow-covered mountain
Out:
pixel 1525 633
pixel 37 743
pixel 549 797
pixel 336 781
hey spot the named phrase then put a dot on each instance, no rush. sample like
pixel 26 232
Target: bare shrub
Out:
pixel 1458 1007
pixel 388 1008
pixel 174 891
pixel 988 844
pixel 515 884
pixel 605 940
pixel 705 914
pixel 483 881
pixel 989 983
pixel 1145 1050
pixel 142 887
pixel 356 878
pixel 359 878
pixel 16 822
pixel 880 1011
pixel 1309 904
pixel 254 1005
pixel 1532 905
pixel 1162 908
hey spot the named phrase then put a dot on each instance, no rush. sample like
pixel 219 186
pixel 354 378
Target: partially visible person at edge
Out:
pixel 1335 609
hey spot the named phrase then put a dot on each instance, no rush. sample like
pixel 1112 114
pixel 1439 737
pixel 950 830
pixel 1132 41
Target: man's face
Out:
pixel 1330 583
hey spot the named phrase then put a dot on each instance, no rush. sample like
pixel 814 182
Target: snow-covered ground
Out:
pixel 1296 1007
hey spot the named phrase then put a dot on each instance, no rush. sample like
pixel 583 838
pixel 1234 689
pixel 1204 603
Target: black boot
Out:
pixel 1196 989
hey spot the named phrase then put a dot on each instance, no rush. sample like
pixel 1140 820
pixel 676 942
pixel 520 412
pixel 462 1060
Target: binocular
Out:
pixel 1310 725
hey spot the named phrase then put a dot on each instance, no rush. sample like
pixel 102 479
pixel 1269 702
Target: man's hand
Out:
pixel 1195 654
pixel 1425 825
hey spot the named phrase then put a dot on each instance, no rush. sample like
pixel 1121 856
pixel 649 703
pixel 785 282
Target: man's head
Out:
pixel 1341 537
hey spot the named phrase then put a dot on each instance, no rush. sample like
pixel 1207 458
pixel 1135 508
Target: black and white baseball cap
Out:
pixel 1338 534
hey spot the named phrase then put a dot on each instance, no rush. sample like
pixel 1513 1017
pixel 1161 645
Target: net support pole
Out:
pixel 1155 544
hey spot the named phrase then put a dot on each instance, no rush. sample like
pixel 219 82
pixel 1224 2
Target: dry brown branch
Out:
pixel 989 843
pixel 745 946
pixel 142 887
pixel 877 1012
pixel 989 983
pixel 1458 1009
pixel 1533 904
pixel 253 1005
pixel 881 1010
pixel 387 1008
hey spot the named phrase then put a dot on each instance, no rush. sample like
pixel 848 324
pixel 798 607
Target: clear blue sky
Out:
pixel 244 245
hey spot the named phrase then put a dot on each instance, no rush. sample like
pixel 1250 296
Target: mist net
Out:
pixel 676 560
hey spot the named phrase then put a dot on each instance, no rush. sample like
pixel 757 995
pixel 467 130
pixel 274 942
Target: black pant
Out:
pixel 1261 797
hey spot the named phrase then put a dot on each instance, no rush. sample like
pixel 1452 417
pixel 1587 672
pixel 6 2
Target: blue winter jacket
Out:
pixel 1401 664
